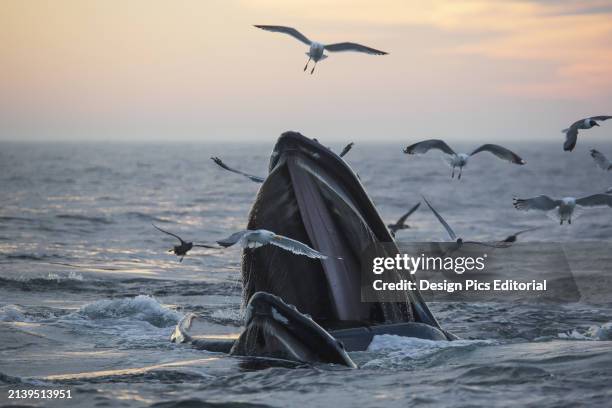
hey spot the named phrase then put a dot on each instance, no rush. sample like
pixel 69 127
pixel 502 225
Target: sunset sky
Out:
pixel 198 70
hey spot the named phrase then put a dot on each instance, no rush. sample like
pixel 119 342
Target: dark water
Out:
pixel 89 295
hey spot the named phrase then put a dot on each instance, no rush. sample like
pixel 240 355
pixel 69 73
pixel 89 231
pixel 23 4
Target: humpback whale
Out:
pixel 310 310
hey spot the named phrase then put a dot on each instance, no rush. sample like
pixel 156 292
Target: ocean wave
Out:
pixel 22 281
pixel 87 218
pixel 144 217
pixel 601 333
pixel 12 313
pixel 32 257
pixel 141 307
pixel 398 348
pixel 9 379
pixel 72 282
pixel 196 402
pixel 137 376
pixel 16 219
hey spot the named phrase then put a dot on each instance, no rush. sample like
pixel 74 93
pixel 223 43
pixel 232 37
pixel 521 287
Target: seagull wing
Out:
pixel 253 178
pixel 205 246
pixel 595 200
pixel 500 152
pixel 346 149
pixel 450 231
pixel 596 118
pixel 233 239
pixel 496 245
pixel 350 46
pixel 169 233
pixel 426 145
pixel 296 247
pixel 601 160
pixel 541 203
pixel 571 136
pixel 286 30
pixel 403 217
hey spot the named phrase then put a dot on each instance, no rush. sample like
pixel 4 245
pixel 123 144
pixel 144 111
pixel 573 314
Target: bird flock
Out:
pixel 564 209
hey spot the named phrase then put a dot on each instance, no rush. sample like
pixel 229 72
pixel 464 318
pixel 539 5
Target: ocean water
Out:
pixel 89 295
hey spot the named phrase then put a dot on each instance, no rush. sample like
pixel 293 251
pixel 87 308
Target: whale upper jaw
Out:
pixel 312 195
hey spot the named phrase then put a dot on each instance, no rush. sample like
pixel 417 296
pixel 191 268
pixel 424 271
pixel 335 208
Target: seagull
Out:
pixel 500 244
pixel 400 224
pixel 461 159
pixel 257 179
pixel 571 133
pixel 346 149
pixel 184 247
pixel 316 52
pixel 564 207
pixel 600 160
pixel 512 238
pixel 450 231
pixel 251 177
pixel 261 237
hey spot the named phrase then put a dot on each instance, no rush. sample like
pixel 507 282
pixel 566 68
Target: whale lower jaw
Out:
pixel 276 330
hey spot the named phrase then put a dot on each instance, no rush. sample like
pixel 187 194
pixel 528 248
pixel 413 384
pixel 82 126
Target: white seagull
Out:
pixel 447 227
pixel 261 237
pixel 571 133
pixel 316 52
pixel 562 208
pixel 401 223
pixel 600 160
pixel 461 159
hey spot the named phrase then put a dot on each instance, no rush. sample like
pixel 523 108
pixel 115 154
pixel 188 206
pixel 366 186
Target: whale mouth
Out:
pixel 313 196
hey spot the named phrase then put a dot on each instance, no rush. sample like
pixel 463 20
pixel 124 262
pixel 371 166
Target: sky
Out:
pixel 195 70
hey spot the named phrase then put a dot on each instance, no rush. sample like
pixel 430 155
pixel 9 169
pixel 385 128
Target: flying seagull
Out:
pixel 600 160
pixel 512 238
pixel 500 244
pixel 346 149
pixel 461 159
pixel 261 237
pixel 562 208
pixel 316 52
pixel 184 247
pixel 400 224
pixel 571 133
pixel 447 227
pixel 251 177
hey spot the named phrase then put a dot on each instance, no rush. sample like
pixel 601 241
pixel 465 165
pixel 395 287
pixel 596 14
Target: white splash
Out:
pixel 141 307
pixel 602 333
pixel 12 313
